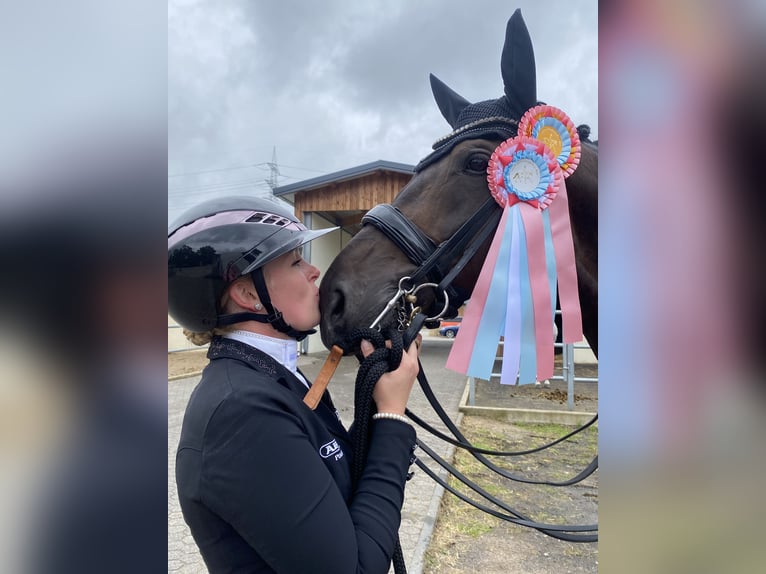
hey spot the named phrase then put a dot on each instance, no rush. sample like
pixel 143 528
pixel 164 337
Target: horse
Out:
pixel 447 189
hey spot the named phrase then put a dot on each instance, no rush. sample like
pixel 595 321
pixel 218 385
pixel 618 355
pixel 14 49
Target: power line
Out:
pixel 305 169
pixel 214 185
pixel 219 190
pixel 216 170
pixel 272 182
pixel 259 165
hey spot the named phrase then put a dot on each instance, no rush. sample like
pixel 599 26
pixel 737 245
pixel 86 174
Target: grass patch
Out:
pixel 474 529
pixel 466 539
pixel 547 429
pixel 588 438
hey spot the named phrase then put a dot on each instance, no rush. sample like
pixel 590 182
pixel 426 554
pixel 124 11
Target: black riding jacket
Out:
pixel 264 482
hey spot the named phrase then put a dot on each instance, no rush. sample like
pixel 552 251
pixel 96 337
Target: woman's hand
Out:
pixel 393 389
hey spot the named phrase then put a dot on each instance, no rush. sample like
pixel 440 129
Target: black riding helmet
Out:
pixel 220 240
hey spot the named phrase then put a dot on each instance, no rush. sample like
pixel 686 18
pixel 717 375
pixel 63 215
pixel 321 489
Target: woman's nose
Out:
pixel 313 273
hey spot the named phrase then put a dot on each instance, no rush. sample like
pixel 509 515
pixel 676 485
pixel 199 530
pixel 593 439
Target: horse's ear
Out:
pixel 450 102
pixel 518 65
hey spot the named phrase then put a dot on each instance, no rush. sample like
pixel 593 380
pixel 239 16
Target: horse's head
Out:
pixel 448 187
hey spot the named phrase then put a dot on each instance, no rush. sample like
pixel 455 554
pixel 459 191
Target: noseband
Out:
pixel 435 263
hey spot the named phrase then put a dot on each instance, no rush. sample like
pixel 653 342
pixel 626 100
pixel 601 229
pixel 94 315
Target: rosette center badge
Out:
pixel 551 138
pixel 523 169
pixel 523 176
pixel 555 129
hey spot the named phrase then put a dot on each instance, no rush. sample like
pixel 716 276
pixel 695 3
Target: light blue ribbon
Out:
pixel 528 361
pixel 550 259
pixel 493 317
pixel 512 332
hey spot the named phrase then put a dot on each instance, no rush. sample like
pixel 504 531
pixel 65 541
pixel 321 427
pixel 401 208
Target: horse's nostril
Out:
pixel 338 303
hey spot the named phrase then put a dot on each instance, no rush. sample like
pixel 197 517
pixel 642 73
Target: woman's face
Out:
pixel 291 284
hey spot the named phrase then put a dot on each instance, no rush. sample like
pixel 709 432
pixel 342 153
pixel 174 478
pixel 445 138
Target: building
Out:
pixel 341 199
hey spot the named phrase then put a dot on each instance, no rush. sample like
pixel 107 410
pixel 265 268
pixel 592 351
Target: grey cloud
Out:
pixel 335 84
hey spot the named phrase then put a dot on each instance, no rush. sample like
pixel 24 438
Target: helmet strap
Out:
pixel 232 318
pixel 274 317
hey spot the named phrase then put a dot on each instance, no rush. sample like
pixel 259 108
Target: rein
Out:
pixel 383 360
pixel 435 268
pixel 432 261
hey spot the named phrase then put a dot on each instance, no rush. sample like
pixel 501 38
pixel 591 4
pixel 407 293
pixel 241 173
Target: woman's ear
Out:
pixel 242 293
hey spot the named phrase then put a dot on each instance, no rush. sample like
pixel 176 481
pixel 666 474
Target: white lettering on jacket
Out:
pixel 330 449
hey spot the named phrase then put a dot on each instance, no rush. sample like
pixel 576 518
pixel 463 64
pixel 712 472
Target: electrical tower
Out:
pixel 274 169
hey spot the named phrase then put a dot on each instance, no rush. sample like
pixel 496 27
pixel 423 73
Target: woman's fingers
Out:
pixel 414 349
pixel 367 348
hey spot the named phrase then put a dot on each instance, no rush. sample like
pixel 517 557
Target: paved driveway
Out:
pixel 422 494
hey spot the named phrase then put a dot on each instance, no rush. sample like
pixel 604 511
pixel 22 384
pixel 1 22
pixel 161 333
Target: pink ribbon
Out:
pixel 541 294
pixel 462 347
pixel 566 269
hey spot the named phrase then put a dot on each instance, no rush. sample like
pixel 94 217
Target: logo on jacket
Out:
pixel 330 449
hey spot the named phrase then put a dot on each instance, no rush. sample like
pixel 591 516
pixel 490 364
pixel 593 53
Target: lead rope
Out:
pixel 374 366
pixel 384 359
pixel 380 361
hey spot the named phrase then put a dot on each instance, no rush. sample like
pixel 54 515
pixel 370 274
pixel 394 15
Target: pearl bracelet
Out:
pixel 392 416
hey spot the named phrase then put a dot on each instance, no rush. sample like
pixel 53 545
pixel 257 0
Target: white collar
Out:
pixel 284 351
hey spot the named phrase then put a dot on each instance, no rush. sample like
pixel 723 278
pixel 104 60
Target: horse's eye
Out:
pixel 477 163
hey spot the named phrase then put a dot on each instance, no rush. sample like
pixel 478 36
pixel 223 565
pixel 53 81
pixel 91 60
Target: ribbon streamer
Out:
pixel 512 335
pixel 460 356
pixel 531 256
pixel 569 298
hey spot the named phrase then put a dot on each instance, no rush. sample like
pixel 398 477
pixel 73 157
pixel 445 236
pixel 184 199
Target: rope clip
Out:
pixel 405 299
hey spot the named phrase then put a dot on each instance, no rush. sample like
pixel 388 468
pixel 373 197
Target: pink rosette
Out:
pixel 554 128
pixel 523 169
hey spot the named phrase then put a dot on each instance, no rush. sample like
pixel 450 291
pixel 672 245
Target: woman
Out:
pixel 264 482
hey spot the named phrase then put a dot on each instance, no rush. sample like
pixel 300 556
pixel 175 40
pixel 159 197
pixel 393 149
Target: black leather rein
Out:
pixel 432 261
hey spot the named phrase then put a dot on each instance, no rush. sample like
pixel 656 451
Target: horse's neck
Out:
pixel 582 189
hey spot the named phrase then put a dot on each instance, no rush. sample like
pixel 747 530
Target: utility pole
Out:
pixel 274 169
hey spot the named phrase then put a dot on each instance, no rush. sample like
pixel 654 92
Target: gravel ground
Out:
pixel 467 540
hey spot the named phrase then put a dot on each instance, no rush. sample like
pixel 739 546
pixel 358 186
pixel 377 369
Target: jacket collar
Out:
pixel 284 351
pixel 221 347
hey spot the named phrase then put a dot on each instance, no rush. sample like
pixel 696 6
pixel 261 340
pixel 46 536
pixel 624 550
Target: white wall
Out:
pixel 323 252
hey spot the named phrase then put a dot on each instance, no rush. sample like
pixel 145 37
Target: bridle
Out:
pixel 435 267
pixel 435 262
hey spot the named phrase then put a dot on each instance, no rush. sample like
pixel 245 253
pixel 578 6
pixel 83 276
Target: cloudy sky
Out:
pixel 334 84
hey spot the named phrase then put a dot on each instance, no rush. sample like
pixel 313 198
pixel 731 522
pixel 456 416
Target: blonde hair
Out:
pixel 201 339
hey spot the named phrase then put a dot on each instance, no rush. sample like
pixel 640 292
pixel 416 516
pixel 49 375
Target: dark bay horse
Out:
pixel 448 187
